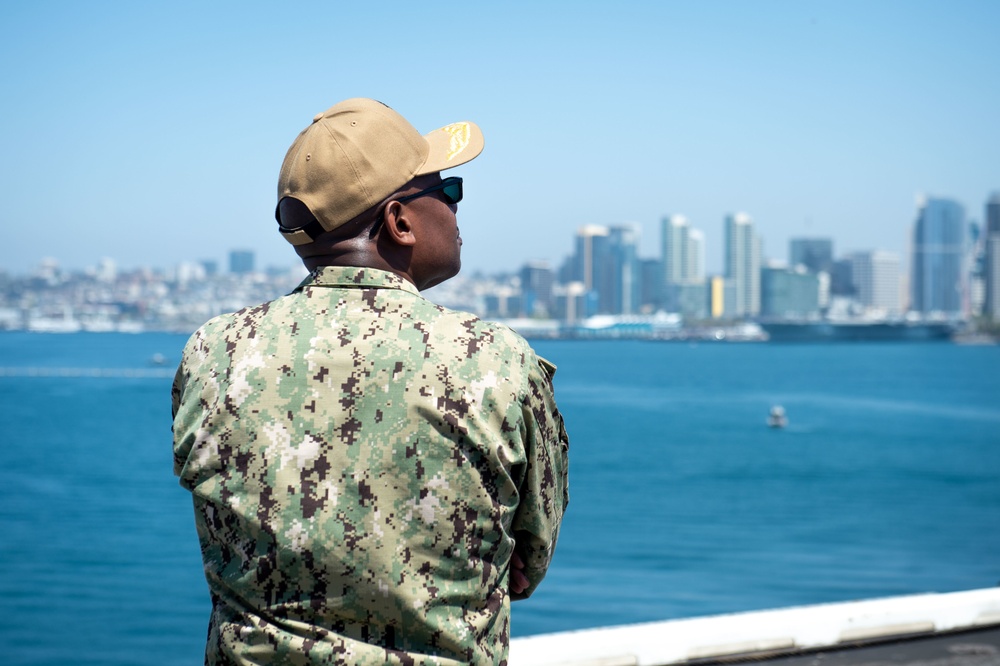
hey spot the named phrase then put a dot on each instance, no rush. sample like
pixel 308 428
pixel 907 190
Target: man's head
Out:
pixel 356 155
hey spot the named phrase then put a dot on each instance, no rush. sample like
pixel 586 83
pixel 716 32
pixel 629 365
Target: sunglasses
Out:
pixel 450 189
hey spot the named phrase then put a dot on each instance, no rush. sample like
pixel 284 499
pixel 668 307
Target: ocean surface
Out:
pixel 683 502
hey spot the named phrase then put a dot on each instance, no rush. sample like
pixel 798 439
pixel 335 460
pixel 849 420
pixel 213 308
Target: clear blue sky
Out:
pixel 152 133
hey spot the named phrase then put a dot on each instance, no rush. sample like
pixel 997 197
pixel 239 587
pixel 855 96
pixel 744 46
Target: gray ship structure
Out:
pixel 858 331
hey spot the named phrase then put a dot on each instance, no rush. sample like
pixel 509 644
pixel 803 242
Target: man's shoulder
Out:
pixel 464 340
pixel 472 325
pixel 235 324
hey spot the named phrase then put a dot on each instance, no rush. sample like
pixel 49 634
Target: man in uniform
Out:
pixel 374 477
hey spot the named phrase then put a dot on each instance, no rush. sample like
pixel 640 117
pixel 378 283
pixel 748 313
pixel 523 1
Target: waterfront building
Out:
pixel 537 278
pixel 606 263
pixel 742 262
pixel 876 279
pixel 789 292
pixel 623 272
pixel 842 279
pixel 696 256
pixel 720 295
pixel 672 247
pixel 505 301
pixel 991 306
pixel 241 262
pixel 589 265
pixel 976 269
pixel 938 281
pixel 824 290
pixel 991 258
pixel 650 285
pixel 570 301
pixel 683 252
pixel 693 300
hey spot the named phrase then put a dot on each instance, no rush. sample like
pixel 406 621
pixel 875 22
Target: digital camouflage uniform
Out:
pixel 362 463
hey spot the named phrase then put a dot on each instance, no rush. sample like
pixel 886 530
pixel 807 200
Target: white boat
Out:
pixel 777 418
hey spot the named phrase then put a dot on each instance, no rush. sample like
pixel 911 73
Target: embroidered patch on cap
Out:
pixel 459 138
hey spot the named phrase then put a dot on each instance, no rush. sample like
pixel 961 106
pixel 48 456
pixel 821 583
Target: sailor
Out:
pixel 374 477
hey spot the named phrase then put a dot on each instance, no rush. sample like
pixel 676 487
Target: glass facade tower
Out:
pixel 937 283
pixel 742 262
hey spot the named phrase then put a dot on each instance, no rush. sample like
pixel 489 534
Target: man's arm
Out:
pixel 544 490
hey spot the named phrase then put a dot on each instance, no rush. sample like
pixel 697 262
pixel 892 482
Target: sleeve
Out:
pixel 544 492
pixel 179 428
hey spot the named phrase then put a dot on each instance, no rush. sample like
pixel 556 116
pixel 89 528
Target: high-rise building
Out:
pixel 591 247
pixel 742 263
pixel 937 284
pixel 504 301
pixel 650 284
pixel 816 254
pixel 789 292
pixel 696 256
pixel 993 215
pixel 991 258
pixel 683 252
pixel 607 263
pixel 536 288
pixel 624 271
pixel 570 301
pixel 842 279
pixel 674 245
pixel 241 262
pixel 876 278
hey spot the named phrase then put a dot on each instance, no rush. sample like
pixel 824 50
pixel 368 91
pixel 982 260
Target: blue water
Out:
pixel 886 482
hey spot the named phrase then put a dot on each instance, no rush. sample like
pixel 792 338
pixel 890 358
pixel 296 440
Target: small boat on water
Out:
pixel 777 418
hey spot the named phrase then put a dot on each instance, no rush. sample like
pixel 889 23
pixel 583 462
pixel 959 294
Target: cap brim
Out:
pixel 452 146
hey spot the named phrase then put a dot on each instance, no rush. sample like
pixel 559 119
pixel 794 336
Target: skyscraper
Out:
pixel 625 276
pixel 742 263
pixel 683 252
pixel 696 256
pixel 991 256
pixel 650 284
pixel 938 282
pixel 673 240
pixel 537 278
pixel 875 276
pixel 591 244
pixel 607 264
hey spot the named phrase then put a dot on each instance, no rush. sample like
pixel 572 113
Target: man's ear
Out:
pixel 398 224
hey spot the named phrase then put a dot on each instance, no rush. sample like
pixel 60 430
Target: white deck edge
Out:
pixel 801 627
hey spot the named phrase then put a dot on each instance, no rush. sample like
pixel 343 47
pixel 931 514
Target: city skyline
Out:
pixel 662 247
pixel 153 133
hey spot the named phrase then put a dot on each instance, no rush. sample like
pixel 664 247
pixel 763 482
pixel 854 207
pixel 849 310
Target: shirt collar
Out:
pixel 356 277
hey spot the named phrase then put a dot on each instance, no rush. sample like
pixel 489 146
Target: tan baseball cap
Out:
pixel 357 153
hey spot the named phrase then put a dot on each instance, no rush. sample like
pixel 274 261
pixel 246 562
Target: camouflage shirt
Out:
pixel 363 463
